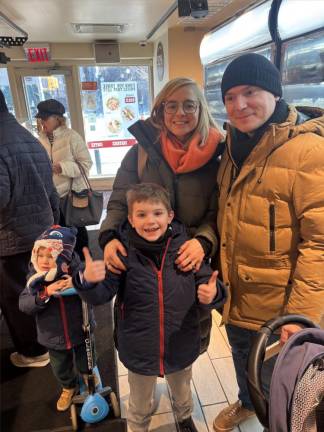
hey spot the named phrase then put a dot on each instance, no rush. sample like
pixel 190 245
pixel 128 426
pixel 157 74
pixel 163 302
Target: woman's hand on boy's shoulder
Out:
pixel 190 256
pixel 207 292
pixel 111 258
pixel 95 270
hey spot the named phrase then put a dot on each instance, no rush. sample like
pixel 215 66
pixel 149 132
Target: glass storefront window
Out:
pixel 113 98
pixel 5 87
pixel 40 88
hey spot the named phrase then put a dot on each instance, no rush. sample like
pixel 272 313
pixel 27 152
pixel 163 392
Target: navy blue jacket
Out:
pixel 29 203
pixel 157 319
pixel 58 320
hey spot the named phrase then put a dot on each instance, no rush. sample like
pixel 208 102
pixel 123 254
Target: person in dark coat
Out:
pixel 178 148
pixel 50 297
pixel 29 204
pixel 157 319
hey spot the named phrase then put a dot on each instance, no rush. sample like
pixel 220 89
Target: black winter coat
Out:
pixel 29 203
pixel 193 194
pixel 158 321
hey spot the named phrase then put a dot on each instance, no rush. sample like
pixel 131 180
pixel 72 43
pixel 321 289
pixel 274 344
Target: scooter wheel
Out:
pixel 114 404
pixel 74 417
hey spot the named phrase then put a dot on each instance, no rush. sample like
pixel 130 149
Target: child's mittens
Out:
pixel 36 283
pixel 207 292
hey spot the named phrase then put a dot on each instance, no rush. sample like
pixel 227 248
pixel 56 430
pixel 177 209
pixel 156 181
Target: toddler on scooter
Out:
pixel 49 296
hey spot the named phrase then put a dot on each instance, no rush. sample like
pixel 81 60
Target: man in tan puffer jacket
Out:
pixel 271 214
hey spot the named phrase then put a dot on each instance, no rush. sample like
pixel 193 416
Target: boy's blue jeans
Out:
pixel 241 340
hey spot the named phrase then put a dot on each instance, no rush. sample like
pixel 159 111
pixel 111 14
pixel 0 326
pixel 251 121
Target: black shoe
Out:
pixel 187 425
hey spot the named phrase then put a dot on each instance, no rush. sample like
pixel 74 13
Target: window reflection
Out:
pixel 303 70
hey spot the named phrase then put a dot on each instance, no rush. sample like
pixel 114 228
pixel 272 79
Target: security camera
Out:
pixel 199 8
pixel 195 8
pixel 142 43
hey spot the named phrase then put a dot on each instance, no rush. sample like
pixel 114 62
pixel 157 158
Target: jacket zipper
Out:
pixel 272 225
pixel 65 324
pixel 161 307
pixel 234 175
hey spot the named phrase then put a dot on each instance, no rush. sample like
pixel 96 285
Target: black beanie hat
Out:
pixel 252 69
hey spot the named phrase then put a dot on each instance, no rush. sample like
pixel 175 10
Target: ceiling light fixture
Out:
pixel 98 28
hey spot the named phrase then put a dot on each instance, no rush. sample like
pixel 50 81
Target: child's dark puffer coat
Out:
pixel 59 319
pixel 157 324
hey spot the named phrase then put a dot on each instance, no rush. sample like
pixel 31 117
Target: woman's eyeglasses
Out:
pixel 188 106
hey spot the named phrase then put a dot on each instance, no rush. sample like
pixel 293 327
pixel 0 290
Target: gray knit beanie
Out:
pixel 252 69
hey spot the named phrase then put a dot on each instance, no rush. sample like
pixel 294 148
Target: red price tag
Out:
pixel 129 99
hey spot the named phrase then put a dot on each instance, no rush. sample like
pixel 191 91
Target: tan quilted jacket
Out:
pixel 271 225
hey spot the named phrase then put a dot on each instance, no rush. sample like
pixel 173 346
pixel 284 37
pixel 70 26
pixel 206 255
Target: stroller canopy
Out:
pixel 297 384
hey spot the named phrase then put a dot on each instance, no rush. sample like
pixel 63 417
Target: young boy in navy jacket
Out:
pixel 157 323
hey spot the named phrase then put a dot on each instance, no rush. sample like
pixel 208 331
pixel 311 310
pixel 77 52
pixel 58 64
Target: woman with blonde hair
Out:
pixel 178 148
pixel 67 151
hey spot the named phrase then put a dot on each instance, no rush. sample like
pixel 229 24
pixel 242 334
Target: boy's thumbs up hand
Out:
pixel 94 271
pixel 207 292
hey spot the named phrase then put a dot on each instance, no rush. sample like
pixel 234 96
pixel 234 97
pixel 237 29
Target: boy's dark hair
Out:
pixel 147 192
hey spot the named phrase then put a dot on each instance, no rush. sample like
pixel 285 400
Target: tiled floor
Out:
pixel 213 386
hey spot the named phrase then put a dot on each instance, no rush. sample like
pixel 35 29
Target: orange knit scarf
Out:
pixel 183 160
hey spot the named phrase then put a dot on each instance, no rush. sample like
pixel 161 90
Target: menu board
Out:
pixel 120 106
pixel 120 110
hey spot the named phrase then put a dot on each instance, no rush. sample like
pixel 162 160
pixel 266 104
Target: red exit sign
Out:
pixel 37 54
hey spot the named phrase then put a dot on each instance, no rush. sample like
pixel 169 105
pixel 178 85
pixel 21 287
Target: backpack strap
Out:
pixel 141 161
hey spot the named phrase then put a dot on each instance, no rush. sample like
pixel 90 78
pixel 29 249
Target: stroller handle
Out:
pixel 256 358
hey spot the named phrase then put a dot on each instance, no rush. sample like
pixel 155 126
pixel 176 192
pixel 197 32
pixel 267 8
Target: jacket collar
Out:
pixel 276 136
pixel 57 133
pixel 5 116
pixel 145 133
pixel 178 233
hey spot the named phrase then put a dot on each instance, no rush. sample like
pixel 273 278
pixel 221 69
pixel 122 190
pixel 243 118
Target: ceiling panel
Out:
pixel 50 20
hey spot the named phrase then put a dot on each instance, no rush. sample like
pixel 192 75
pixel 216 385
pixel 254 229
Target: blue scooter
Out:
pixel 95 399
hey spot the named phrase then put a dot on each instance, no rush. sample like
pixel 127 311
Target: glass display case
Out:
pixel 242 33
pixel 303 70
pixel 296 39
pixel 297 17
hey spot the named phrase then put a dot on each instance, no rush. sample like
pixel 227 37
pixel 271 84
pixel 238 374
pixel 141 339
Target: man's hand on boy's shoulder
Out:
pixel 95 270
pixel 208 291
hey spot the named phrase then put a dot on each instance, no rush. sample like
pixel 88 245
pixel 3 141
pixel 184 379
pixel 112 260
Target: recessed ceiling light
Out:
pixel 98 28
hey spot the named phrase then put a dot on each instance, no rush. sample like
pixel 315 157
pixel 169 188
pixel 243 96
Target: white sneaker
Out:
pixel 19 360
